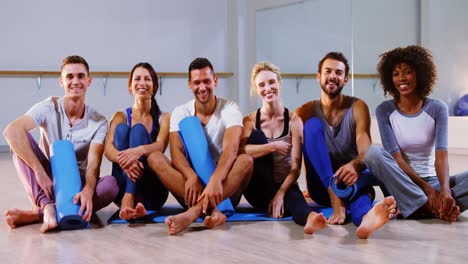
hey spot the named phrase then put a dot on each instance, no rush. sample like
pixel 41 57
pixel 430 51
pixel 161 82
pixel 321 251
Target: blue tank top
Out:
pixel 129 119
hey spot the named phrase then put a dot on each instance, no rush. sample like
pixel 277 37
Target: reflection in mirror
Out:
pixel 296 36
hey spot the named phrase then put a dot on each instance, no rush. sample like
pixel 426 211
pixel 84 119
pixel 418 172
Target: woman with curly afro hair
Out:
pixel 414 129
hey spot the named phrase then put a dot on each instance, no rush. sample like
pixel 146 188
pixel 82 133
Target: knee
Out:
pixel 374 154
pixel 121 130
pixel 138 129
pixel 121 136
pixel 246 163
pixel 111 189
pixel 313 126
pixel 138 136
pixel 157 160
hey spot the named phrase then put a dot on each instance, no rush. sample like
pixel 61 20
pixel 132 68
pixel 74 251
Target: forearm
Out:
pixel 181 164
pixel 224 165
pixel 359 164
pixel 111 153
pixel 415 177
pixel 290 180
pixel 153 147
pixel 19 143
pixel 442 171
pixel 91 178
pixel 257 151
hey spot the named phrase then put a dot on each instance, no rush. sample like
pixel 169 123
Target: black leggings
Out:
pixel 262 187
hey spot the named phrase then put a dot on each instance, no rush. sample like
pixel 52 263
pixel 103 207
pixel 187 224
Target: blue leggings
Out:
pixel 151 190
pixel 262 187
pixel 319 171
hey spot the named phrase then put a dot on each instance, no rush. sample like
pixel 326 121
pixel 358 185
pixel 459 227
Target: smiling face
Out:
pixel 404 79
pixel 75 80
pixel 268 86
pixel 202 82
pixel 332 77
pixel 142 84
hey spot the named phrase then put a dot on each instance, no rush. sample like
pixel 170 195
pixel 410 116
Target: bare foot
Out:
pixel 315 222
pixel 126 209
pixel 215 219
pixel 50 218
pixel 16 217
pixel 452 216
pixel 127 214
pixel 140 210
pixel 177 223
pixel 339 213
pixel 377 217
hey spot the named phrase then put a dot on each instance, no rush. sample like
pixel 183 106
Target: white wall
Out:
pixel 445 34
pixel 111 36
pixel 233 34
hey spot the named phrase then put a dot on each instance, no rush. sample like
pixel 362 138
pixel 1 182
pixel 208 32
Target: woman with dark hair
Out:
pixel 135 133
pixel 414 130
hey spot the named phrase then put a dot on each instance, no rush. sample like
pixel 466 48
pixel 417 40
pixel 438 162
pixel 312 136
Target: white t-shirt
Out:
pixel 226 114
pixel 91 129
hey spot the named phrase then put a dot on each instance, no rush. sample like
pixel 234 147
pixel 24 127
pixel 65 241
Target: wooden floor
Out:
pixel 400 241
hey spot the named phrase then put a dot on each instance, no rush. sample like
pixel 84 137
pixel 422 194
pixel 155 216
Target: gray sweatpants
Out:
pixel 409 196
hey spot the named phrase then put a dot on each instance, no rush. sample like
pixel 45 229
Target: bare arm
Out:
pixel 296 153
pixel 213 192
pixel 16 136
pixel 446 201
pixel 85 197
pixel 442 170
pixel 141 151
pixel 276 206
pixel 259 150
pixel 109 150
pixel 349 173
pixel 179 160
pixel 231 142
pixel 411 173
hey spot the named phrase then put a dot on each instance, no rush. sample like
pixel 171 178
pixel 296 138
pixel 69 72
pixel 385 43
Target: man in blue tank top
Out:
pixel 336 136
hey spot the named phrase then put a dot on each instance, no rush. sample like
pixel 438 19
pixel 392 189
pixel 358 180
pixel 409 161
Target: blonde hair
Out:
pixel 257 68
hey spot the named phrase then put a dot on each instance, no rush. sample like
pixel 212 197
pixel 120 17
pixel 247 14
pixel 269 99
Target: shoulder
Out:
pixel 386 107
pixel 250 118
pixel 184 109
pixel 224 103
pixel 48 102
pixel 436 103
pixel 94 115
pixel 305 111
pixel 165 117
pixel 42 109
pixel 436 107
pixel 119 117
pixel 360 108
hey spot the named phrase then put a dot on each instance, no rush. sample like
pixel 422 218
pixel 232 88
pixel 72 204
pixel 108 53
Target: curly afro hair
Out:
pixel 418 58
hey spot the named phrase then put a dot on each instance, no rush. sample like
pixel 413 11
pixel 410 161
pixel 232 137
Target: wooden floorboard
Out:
pixel 400 241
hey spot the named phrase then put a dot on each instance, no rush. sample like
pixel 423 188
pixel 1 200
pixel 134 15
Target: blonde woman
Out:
pixel 272 139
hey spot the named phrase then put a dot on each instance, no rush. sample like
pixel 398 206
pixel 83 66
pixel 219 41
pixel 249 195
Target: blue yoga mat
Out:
pixel 349 192
pixel 67 183
pixel 244 213
pixel 196 145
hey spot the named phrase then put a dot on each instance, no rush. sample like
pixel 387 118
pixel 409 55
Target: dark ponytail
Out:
pixel 155 111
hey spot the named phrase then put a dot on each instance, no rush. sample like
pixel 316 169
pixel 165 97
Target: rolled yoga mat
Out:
pixel 196 147
pixel 349 192
pixel 67 183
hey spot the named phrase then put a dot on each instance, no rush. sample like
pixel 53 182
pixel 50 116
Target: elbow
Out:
pixel 9 132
